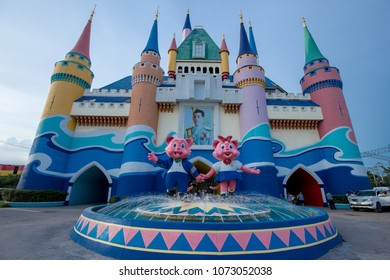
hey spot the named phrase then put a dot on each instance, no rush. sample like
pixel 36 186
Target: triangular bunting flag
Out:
pixel 194 238
pixel 148 236
pixel 300 233
pixel 218 239
pixel 242 238
pixel 129 234
pixel 264 237
pixel 321 229
pixel 312 231
pixel 112 231
pixel 284 235
pixel 100 229
pixel 91 225
pixel 170 237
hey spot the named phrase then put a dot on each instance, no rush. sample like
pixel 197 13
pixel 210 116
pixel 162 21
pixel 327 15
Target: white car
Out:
pixel 374 199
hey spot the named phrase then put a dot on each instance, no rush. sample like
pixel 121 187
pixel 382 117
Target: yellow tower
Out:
pixel 70 78
pixel 172 53
pixel 224 52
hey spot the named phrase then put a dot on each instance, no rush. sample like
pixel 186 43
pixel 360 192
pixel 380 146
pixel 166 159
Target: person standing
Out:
pixel 329 197
pixel 301 199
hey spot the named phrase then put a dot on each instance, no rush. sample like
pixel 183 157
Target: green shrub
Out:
pixel 3 205
pixel 13 195
pixel 9 181
pixel 114 199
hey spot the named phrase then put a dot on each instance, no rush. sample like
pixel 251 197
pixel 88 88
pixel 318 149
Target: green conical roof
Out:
pixel 312 51
pixel 198 35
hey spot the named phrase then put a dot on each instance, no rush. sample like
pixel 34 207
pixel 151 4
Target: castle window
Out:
pixel 186 69
pixel 276 108
pixel 303 109
pixel 312 73
pixel 285 108
pixel 327 69
pixel 192 69
pixel 216 70
pixel 180 69
pixel 312 109
pixel 198 69
pixel 204 70
pixel 199 50
pixel 211 70
pixel 294 108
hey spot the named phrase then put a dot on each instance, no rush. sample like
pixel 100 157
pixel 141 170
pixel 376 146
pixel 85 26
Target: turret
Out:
pixel 172 53
pixel 324 84
pixel 254 123
pixel 224 52
pixel 143 119
pixel 187 27
pixel 69 80
pixel 147 75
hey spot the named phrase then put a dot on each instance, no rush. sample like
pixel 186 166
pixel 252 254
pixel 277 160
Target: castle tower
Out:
pixel 69 80
pixel 172 54
pixel 254 123
pixel 224 52
pixel 187 27
pixel 143 118
pixel 324 84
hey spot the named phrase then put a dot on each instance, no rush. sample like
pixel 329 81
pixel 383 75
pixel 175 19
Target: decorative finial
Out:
pixel 188 10
pixel 241 21
pixel 250 24
pixel 303 22
pixel 157 12
pixel 223 36
pixel 92 13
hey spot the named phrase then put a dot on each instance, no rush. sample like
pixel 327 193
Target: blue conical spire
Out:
pixel 252 41
pixel 152 44
pixel 244 42
pixel 187 23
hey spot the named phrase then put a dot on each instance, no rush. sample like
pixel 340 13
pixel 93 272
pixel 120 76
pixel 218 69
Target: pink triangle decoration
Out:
pixel 100 229
pixel 218 239
pixel 91 225
pixel 170 237
pixel 112 231
pixel 264 237
pixel 85 222
pixel 284 235
pixel 327 226
pixel 312 230
pixel 129 233
pixel 300 232
pixel 321 229
pixel 242 238
pixel 148 236
pixel 194 238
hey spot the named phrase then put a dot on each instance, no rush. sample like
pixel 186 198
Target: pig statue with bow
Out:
pixel 177 165
pixel 225 150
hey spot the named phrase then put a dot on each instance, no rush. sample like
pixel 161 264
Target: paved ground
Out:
pixel 44 234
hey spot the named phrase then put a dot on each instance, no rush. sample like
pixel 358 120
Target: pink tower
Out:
pixel 323 83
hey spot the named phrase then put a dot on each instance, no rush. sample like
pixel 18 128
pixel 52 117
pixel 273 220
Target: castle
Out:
pixel 93 143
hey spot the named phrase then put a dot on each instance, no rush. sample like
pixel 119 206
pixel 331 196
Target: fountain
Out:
pixel 245 226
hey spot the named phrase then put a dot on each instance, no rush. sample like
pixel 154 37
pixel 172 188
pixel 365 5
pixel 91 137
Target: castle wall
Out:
pixel 296 138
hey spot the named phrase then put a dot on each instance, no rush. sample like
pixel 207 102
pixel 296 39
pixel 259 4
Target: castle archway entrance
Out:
pixel 301 181
pixel 90 187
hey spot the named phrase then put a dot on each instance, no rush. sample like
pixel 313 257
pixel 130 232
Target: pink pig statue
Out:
pixel 178 165
pixel 226 151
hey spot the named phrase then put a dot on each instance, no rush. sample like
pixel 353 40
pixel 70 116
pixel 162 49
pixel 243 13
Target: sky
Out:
pixel 353 35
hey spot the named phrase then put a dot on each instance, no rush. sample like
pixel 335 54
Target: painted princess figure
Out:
pixel 225 150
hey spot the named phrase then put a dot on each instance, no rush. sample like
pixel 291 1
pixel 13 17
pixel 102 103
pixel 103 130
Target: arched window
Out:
pixel 180 69
pixel 204 70
pixel 186 69
pixel 216 70
pixel 211 70
pixel 192 69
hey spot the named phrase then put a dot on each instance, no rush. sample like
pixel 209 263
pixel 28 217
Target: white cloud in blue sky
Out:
pixel 353 35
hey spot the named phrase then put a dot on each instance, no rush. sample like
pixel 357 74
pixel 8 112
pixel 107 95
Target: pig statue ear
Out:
pixel 235 143
pixel 189 142
pixel 169 139
pixel 215 143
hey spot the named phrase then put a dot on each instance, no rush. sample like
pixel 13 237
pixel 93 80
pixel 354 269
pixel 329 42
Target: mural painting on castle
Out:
pixel 94 143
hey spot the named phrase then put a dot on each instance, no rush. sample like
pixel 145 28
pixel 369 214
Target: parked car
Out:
pixel 374 199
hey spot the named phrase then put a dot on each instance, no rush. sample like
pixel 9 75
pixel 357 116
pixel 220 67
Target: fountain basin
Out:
pixel 244 227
